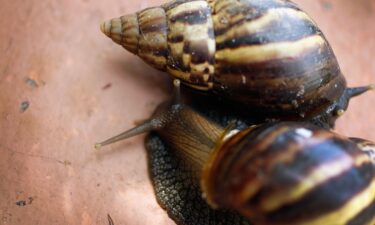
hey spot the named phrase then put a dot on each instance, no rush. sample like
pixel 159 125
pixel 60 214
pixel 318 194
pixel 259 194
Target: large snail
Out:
pixel 285 173
pixel 267 57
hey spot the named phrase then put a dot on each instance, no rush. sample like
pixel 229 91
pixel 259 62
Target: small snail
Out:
pixel 268 57
pixel 285 173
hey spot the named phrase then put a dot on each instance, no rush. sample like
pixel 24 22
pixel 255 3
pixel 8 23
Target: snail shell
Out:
pixel 267 56
pixel 293 173
pixel 286 173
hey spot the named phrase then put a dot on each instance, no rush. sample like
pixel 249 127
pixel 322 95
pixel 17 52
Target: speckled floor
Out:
pixel 64 86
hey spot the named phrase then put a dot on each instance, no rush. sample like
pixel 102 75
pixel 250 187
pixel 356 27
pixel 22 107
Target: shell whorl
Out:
pixel 240 50
pixel 274 50
pixel 143 33
pixel 293 173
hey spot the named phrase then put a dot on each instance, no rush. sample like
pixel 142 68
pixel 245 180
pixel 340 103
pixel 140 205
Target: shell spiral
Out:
pixel 267 55
pixel 293 173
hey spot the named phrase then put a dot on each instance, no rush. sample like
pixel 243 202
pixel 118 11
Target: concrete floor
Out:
pixel 65 86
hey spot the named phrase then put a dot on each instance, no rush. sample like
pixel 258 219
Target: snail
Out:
pixel 264 57
pixel 284 173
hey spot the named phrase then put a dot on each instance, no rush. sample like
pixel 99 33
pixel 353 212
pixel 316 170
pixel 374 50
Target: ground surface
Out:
pixel 64 86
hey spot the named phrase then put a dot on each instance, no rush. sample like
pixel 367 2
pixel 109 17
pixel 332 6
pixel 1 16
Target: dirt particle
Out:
pixel 107 86
pixel 327 5
pixel 31 199
pixel 65 162
pixel 24 106
pixel 21 203
pixel 32 83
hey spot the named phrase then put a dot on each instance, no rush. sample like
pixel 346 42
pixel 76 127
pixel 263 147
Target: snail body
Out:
pixel 266 56
pixel 279 173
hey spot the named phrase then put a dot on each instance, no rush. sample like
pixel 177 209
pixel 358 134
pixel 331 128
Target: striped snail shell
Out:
pixel 268 55
pixel 293 173
pixel 285 173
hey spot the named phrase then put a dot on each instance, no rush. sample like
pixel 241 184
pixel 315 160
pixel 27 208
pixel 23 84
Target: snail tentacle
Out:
pixel 352 92
pixel 158 121
pixel 342 104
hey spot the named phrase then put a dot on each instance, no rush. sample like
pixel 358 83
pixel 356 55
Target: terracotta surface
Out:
pixel 81 88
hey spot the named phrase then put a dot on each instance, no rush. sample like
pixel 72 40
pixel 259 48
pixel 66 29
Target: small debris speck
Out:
pixel 31 199
pixel 65 162
pixel 107 86
pixel 21 203
pixel 327 5
pixel 24 106
pixel 32 83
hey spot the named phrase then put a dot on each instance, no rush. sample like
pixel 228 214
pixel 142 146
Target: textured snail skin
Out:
pixel 178 191
pixel 174 168
pixel 284 173
pixel 268 56
pixel 293 173
pixel 180 142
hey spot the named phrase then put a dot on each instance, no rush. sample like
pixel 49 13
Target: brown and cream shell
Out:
pixel 265 57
